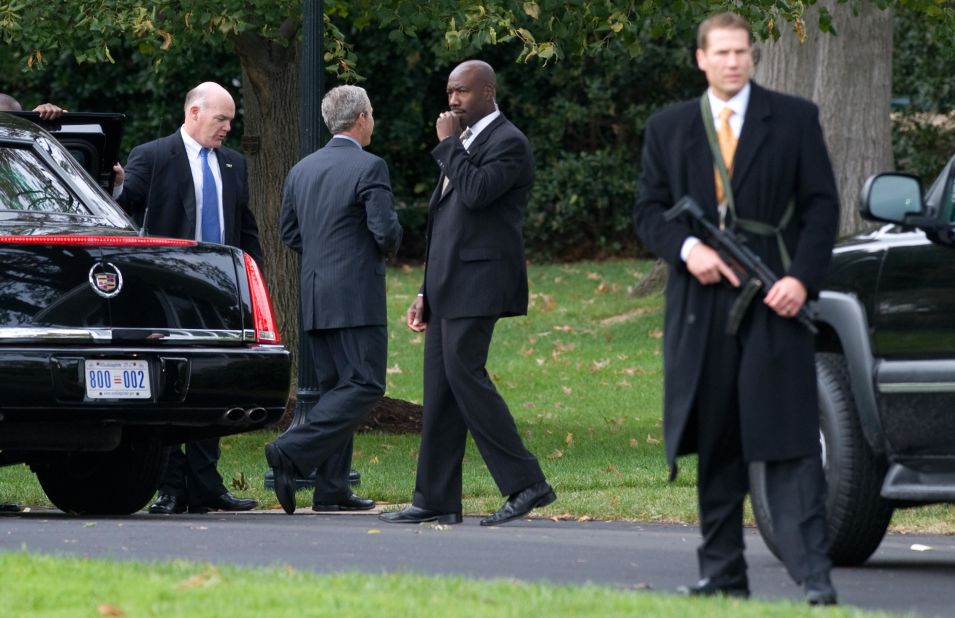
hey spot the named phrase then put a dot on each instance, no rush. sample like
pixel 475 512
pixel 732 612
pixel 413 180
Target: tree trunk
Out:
pixel 849 76
pixel 270 79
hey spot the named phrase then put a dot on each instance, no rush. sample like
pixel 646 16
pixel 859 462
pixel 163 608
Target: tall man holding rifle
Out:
pixel 756 163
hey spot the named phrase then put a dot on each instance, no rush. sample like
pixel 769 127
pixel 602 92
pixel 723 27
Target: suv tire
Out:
pixel 117 482
pixel 858 515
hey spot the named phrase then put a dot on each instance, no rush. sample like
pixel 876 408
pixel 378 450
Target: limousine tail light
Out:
pixel 266 330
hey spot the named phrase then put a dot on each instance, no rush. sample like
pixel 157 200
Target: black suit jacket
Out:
pixel 338 212
pixel 475 264
pixel 781 157
pixel 158 188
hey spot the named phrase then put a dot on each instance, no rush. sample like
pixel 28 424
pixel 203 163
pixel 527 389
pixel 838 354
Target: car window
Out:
pixel 27 184
pixel 948 200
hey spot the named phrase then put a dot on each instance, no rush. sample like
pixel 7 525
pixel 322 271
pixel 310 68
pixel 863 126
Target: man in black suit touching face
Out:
pixel 475 273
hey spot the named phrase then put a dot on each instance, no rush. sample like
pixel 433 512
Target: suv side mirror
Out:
pixel 892 197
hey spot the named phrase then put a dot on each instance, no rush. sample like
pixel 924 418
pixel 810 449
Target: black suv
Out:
pixel 886 366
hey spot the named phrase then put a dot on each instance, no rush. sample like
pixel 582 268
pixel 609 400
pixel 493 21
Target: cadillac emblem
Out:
pixel 105 279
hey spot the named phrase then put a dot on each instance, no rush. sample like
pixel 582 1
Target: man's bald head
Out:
pixel 209 111
pixel 472 87
pixel 9 104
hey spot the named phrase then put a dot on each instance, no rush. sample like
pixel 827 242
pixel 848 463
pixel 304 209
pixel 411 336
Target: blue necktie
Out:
pixel 210 201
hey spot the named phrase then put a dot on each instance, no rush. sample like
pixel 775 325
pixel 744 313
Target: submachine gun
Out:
pixel 754 275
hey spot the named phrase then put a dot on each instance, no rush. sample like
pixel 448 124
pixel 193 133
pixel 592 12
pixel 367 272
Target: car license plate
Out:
pixel 117 379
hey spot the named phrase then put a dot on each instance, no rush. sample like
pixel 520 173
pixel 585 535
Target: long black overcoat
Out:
pixel 781 157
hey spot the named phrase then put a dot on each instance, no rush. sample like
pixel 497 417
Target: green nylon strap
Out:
pixel 750 225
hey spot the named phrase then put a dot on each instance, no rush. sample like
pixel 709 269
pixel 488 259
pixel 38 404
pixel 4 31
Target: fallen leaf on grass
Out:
pixel 615 424
pixel 597 365
pixel 569 439
pixel 624 384
pixel 557 454
pixel 656 333
pixel 406 268
pixel 634 443
pixel 395 369
pixel 241 483
pixel 416 340
pixel 593 276
pixel 546 303
pixel 633 371
pixel 565 328
pixel 612 469
pixel 603 288
pixel 584 518
pixel 529 405
pixel 373 460
pixel 567 390
pixel 106 609
pixel 652 440
pixel 210 577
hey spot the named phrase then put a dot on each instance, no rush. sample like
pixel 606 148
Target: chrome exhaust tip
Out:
pixel 234 415
pixel 256 415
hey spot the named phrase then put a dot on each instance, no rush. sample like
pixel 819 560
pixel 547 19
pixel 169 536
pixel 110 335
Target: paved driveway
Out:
pixel 628 555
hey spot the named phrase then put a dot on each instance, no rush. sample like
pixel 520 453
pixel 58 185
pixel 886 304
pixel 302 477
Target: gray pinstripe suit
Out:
pixel 338 213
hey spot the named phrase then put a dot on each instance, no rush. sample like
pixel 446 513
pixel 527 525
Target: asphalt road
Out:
pixel 897 578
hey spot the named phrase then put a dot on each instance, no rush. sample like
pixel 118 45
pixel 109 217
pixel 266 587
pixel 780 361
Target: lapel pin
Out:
pixel 228 165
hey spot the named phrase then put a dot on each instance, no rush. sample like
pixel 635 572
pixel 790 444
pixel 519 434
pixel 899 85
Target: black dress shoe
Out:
pixel 819 590
pixel 417 515
pixel 225 502
pixel 522 503
pixel 9 508
pixel 284 474
pixel 168 504
pixel 351 503
pixel 738 588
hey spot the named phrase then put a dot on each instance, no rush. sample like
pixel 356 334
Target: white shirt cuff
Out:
pixel 688 244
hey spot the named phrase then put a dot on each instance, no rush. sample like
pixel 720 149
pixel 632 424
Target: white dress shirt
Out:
pixel 738 103
pixel 195 165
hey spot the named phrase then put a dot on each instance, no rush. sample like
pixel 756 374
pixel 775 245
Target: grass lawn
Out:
pixel 65 587
pixel 582 375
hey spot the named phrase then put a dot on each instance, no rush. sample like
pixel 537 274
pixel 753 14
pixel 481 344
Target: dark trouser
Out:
pixel 351 373
pixel 797 503
pixel 192 475
pixel 331 478
pixel 460 397
pixel 796 487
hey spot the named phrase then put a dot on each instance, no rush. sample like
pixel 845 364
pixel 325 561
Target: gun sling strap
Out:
pixel 750 225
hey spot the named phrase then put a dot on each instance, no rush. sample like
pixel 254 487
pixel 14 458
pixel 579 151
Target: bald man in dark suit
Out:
pixel 475 274
pixel 188 185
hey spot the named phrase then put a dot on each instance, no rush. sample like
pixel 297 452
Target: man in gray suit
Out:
pixel 338 213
